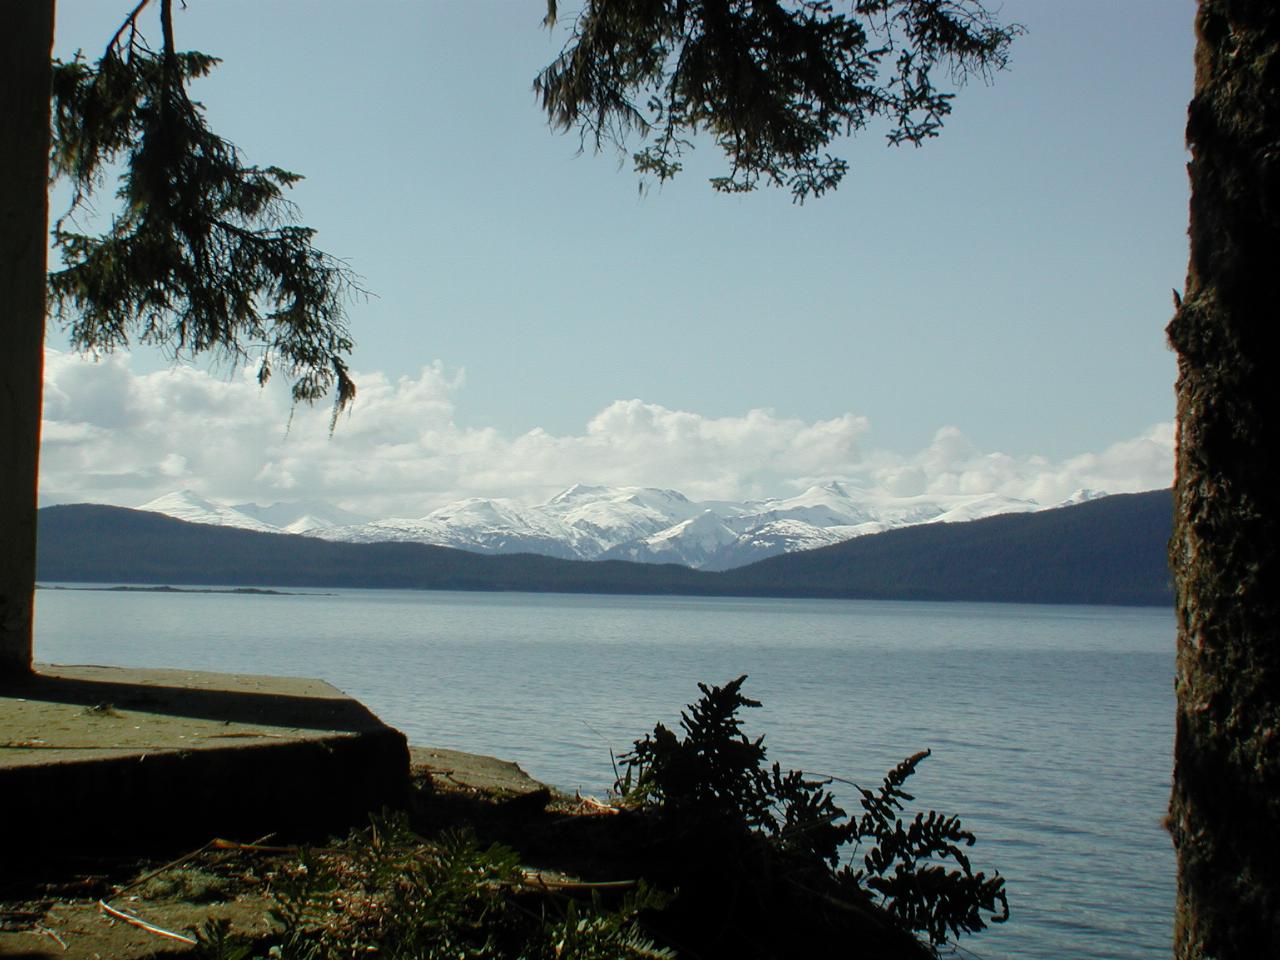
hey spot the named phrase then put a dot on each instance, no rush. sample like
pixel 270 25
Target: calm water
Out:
pixel 1051 727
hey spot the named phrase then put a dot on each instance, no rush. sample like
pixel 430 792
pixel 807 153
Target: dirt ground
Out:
pixel 136 909
pixel 68 919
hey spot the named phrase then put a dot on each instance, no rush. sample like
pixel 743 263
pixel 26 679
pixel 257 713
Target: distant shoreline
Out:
pixel 256 591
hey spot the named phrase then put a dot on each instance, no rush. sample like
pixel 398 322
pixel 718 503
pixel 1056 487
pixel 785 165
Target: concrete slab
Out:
pixel 470 771
pixel 109 758
pixel 43 924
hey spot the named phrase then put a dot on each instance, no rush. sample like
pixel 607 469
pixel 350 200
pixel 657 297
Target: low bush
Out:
pixel 781 846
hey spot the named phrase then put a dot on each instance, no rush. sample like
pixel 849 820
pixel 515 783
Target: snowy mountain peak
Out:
pixel 647 524
pixel 308 523
pixel 190 506
pixel 693 542
pixel 841 489
pixel 300 515
pixel 985 505
pixel 579 491
pixel 180 499
pixel 656 498
pixel 1083 495
pixel 707 529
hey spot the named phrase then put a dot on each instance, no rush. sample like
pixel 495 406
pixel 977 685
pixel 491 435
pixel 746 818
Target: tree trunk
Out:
pixel 26 43
pixel 1225 551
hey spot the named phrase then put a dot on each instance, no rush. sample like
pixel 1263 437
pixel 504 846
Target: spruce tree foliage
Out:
pixel 788 831
pixel 202 256
pixel 772 82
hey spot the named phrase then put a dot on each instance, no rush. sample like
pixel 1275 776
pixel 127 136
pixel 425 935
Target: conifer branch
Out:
pixel 202 256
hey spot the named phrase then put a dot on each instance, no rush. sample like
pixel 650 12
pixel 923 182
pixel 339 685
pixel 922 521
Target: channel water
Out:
pixel 1051 727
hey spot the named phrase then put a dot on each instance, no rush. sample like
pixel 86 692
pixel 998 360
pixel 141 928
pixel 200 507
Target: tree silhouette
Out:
pixel 201 257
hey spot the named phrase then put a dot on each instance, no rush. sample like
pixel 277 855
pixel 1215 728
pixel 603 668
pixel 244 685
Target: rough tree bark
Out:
pixel 26 44
pixel 1225 808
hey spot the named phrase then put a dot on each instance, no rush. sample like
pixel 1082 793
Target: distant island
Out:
pixel 1110 550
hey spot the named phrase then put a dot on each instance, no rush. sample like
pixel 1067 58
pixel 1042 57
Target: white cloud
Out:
pixel 115 435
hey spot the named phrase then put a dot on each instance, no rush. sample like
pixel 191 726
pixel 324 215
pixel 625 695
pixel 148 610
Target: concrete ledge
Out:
pixel 470 771
pixel 109 759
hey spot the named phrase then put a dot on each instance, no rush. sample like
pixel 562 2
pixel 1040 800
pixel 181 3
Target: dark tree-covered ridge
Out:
pixel 1106 551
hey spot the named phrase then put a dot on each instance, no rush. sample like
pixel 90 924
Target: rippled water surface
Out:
pixel 1051 727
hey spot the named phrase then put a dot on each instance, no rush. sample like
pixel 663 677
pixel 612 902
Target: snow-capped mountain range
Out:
pixel 620 523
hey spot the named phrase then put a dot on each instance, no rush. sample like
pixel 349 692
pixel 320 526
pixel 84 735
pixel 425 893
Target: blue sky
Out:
pixel 1007 284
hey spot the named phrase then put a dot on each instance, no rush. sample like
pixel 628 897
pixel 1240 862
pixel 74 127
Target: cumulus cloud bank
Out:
pixel 116 435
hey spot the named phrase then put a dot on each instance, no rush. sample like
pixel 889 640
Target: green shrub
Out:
pixel 715 782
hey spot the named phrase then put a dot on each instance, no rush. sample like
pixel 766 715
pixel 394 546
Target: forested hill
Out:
pixel 1113 550
pixel 93 543
pixel 1106 551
